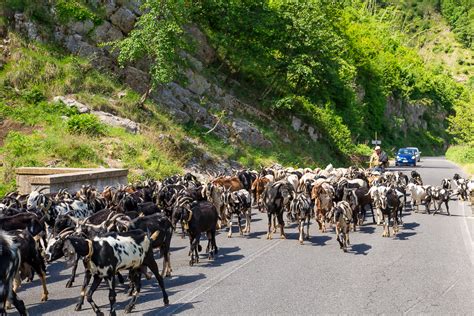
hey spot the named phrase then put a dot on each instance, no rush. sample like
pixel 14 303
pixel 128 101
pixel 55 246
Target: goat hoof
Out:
pixel 283 236
pixel 99 313
pixel 113 313
pixel 78 308
pixel 166 301
pixel 44 298
pixel 69 284
pixel 128 309
pixel 191 262
pixel 301 242
pixel 229 236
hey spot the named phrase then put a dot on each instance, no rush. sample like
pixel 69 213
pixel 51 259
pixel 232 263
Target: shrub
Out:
pixel 87 124
pixel 34 95
pixel 75 10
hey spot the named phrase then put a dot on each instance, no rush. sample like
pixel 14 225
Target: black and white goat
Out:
pixel 108 255
pixel 342 215
pixel 237 203
pixel 440 195
pixel 300 209
pixel 461 183
pixel 10 259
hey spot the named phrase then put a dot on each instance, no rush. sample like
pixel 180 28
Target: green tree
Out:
pixel 158 36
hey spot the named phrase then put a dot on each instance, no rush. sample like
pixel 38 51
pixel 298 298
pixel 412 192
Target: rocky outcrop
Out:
pixel 104 117
pixel 249 134
pixel 299 125
pixel 124 19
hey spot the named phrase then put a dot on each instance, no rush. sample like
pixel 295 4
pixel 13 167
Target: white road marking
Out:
pixel 181 302
pixel 465 232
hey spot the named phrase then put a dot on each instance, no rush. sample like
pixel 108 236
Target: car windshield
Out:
pixel 405 151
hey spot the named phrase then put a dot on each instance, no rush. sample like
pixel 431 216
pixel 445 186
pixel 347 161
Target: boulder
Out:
pixel 117 121
pixel 204 50
pixel 106 32
pixel 81 27
pixel 197 83
pixel 296 123
pixel 248 133
pixel 136 79
pixel 124 19
pixel 72 103
pixel 197 112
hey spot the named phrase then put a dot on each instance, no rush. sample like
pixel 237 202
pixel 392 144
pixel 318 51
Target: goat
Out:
pixel 440 195
pixel 258 186
pixel 390 205
pixel 276 197
pixel 10 259
pixel 461 183
pixel 153 223
pixel 419 195
pixel 342 215
pixel 323 196
pixel 300 208
pixel 238 203
pixel 30 258
pixel 109 254
pixel 197 217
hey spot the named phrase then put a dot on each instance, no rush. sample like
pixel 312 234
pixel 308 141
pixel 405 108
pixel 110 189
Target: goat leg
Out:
pixel 94 286
pixel 87 279
pixel 151 264
pixel 73 274
pixel 19 305
pixel 229 226
pixel 111 283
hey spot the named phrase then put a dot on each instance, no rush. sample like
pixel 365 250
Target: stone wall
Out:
pixel 72 179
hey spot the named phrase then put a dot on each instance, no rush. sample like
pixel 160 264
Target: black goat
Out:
pixel 276 197
pixel 10 259
pixel 30 259
pixel 196 218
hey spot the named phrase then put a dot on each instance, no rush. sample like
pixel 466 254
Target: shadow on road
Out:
pixel 367 229
pixel 319 240
pixel 404 235
pixel 52 305
pixel 411 226
pixel 167 310
pixel 360 249
pixel 222 257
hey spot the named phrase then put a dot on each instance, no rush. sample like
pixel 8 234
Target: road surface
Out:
pixel 426 268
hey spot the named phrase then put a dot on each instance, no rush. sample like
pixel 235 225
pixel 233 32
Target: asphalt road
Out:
pixel 426 268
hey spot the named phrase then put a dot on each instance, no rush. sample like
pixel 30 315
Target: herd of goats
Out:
pixel 119 228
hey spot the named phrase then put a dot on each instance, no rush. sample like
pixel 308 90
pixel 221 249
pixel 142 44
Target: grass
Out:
pixel 462 155
pixel 59 136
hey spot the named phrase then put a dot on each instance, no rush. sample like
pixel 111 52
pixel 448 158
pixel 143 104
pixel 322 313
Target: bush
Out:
pixel 75 10
pixel 33 96
pixel 87 124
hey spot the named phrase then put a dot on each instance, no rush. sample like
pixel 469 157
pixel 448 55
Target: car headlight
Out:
pixel 413 157
pixel 398 158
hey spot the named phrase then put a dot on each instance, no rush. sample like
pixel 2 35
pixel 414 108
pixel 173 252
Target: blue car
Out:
pixel 406 156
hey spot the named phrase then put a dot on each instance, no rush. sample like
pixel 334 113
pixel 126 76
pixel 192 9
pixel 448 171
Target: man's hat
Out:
pixel 377 147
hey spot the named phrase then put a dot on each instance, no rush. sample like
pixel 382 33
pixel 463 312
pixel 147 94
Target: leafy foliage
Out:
pixel 87 124
pixel 158 36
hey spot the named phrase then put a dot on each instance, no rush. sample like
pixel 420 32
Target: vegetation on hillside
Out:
pixel 334 64
pixel 326 52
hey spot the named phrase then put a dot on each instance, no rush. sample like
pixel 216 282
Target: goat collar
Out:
pixel 46 207
pixel 186 221
pixel 90 250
